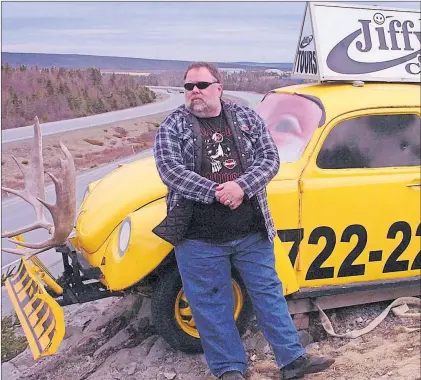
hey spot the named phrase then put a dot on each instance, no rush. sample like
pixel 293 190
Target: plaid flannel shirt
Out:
pixel 175 159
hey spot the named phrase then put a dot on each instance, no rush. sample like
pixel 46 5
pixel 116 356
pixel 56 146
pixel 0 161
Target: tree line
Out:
pixel 249 80
pixel 56 94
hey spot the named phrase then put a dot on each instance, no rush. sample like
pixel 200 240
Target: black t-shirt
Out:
pixel 220 163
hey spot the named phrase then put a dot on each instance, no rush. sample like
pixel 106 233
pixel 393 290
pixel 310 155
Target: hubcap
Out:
pixel 184 317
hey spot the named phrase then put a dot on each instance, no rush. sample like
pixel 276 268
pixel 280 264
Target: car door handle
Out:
pixel 413 185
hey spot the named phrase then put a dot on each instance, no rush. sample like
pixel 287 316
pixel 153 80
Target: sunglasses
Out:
pixel 199 85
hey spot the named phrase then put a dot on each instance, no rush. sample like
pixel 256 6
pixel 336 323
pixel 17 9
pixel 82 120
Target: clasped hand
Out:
pixel 230 194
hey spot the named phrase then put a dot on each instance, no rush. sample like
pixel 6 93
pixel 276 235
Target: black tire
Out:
pixel 163 312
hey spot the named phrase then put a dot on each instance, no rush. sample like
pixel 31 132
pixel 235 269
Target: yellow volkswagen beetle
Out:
pixel 345 203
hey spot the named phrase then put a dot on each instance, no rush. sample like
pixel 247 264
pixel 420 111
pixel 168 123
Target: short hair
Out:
pixel 213 69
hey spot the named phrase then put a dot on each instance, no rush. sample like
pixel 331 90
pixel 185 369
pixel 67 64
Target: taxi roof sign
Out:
pixel 345 42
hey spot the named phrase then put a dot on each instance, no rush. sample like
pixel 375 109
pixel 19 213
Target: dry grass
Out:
pixel 11 344
pixel 121 131
pixel 94 142
pixel 90 147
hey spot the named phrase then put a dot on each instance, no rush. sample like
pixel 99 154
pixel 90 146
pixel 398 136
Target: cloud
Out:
pixel 84 32
pixel 216 31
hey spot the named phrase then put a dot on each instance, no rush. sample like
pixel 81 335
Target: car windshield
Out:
pixel 291 120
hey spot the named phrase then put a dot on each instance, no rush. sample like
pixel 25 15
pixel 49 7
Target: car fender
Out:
pixel 145 250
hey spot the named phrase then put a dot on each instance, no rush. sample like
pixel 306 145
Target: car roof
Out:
pixel 340 98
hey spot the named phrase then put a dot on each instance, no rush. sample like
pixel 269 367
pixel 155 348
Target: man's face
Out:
pixel 205 102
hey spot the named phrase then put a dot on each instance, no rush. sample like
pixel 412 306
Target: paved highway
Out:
pixel 23 133
pixel 173 101
pixel 17 213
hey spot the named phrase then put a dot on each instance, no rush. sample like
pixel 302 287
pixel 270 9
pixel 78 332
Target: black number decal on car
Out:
pixel 316 271
pixel 417 262
pixel 348 268
pixel 296 235
pixel 392 263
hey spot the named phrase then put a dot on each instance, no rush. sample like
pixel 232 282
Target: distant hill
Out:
pixel 76 61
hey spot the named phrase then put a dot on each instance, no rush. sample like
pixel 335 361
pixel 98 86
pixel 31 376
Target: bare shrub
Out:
pixel 121 131
pixel 78 155
pixel 136 139
pixel 105 130
pixel 94 142
pixel 113 142
pixel 140 146
pixel 118 136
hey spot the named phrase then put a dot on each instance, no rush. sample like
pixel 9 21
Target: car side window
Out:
pixel 374 141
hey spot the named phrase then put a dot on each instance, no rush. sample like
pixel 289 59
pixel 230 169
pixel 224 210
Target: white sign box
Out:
pixel 368 43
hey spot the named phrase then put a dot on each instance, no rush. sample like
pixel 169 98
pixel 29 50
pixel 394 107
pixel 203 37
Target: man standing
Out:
pixel 216 159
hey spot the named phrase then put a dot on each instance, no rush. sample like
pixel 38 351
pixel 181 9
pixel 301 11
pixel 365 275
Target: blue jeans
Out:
pixel 205 270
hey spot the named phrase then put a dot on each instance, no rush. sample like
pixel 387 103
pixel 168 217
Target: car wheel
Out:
pixel 171 313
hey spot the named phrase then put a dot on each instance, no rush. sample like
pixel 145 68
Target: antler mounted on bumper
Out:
pixel 63 212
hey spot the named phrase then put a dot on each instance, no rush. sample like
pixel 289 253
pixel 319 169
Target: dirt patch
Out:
pixel 90 148
pixel 388 352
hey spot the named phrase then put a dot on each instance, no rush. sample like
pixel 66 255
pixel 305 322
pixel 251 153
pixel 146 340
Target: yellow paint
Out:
pixel 145 250
pixel 113 198
pixel 39 341
pixel 46 278
pixel 187 323
pixel 19 238
pixel 374 198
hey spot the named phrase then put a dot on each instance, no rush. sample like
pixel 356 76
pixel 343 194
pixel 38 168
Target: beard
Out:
pixel 202 108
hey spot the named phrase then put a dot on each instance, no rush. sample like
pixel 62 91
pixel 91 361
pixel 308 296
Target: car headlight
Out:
pixel 124 236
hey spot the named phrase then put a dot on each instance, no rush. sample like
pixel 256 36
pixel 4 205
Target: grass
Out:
pixel 9 273
pixel 94 142
pixel 11 345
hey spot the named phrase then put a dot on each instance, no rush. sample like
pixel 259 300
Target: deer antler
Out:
pixel 63 211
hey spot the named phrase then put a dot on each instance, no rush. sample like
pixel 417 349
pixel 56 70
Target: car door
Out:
pixel 361 200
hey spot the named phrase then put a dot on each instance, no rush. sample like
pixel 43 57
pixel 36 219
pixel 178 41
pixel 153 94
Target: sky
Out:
pixel 192 31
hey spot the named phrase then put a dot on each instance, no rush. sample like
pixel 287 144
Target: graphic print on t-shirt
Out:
pixel 220 157
pixel 219 151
